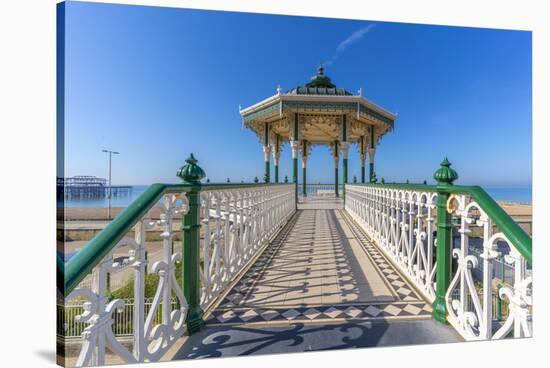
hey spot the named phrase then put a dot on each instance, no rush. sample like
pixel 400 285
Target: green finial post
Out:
pixel 256 179
pixel 286 179
pixel 192 174
pixel 445 176
pixel 382 181
pixel 207 180
pixel 229 181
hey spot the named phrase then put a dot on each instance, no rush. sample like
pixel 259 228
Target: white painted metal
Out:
pixel 235 223
pixel 401 222
pixel 470 305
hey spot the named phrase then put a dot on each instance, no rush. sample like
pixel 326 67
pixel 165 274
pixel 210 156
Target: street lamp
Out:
pixel 111 153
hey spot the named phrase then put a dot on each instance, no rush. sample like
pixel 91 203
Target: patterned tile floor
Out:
pixel 321 268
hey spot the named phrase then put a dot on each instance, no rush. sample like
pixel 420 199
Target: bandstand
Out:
pixel 318 113
pixel 245 269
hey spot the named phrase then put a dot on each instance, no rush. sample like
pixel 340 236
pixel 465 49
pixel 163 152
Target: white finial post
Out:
pixel 279 89
pixel 360 91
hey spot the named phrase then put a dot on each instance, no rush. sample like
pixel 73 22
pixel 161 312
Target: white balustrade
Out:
pixel 402 223
pixel 235 225
pixel 469 303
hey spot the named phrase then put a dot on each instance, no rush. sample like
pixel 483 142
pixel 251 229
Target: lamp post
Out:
pixel 111 153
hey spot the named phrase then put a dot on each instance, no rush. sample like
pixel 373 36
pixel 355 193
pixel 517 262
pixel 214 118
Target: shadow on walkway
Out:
pixel 229 341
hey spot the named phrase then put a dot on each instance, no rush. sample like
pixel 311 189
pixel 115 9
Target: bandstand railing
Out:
pixel 413 225
pixel 223 228
pixel 320 190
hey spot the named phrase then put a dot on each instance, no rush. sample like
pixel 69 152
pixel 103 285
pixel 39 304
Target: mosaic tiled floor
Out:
pixel 321 268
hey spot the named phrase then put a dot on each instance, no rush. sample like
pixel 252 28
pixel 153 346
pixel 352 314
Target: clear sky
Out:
pixel 159 83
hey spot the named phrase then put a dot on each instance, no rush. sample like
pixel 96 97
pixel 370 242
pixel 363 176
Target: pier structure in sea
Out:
pixel 87 186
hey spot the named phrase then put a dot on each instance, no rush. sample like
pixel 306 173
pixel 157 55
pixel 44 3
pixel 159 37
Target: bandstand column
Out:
pixel 276 157
pixel 345 150
pixel 267 152
pixel 336 168
pixel 362 158
pixel 295 146
pixel 304 181
pixel 372 151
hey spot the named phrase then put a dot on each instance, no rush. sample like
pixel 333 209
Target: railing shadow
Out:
pixel 243 341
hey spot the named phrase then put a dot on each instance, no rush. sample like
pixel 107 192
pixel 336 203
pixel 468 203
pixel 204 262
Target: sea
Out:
pixel 518 194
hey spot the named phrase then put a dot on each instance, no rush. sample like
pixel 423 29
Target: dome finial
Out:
pixel 321 69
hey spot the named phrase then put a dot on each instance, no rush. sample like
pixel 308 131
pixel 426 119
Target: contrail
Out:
pixel 351 39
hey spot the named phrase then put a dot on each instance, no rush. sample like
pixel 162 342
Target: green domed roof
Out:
pixel 319 84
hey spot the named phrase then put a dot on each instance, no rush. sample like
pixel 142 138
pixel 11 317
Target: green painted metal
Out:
pixel 191 172
pixel 336 181
pixel 518 238
pixel 73 272
pixel 82 262
pixel 276 169
pixel 345 170
pixel 266 176
pixel 363 173
pixel 445 176
pixel 304 182
pixel 295 170
pixel 515 233
pixel 190 228
pixel 320 79
pixel 371 172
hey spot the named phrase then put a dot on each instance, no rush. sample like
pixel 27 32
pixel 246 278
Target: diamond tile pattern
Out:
pixel 234 309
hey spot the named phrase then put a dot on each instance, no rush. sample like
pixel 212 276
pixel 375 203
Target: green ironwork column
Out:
pixel 267 152
pixel 445 176
pixel 276 158
pixel 371 164
pixel 304 181
pixel 266 175
pixel 362 158
pixel 192 174
pixel 304 167
pixel 295 146
pixel 336 158
pixel 345 150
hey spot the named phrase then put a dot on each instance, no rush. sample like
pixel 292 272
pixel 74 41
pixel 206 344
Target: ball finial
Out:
pixel 445 175
pixel 191 172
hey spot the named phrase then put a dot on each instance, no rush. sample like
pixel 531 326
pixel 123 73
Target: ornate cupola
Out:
pixel 318 113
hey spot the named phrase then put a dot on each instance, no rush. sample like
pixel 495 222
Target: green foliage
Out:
pixel 151 283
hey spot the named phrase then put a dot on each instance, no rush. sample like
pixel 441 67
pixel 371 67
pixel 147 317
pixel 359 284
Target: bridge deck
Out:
pixel 323 282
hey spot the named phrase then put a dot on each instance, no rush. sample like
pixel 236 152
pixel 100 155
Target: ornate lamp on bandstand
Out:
pixel 318 113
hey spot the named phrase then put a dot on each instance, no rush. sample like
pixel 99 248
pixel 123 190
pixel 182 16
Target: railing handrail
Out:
pixel 515 233
pixel 73 272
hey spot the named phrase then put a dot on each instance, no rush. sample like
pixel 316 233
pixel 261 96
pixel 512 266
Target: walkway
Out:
pixel 321 284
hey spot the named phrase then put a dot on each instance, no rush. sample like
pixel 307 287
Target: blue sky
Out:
pixel 159 83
